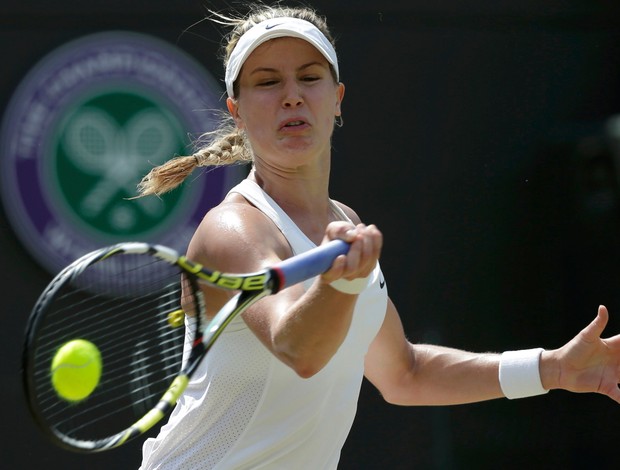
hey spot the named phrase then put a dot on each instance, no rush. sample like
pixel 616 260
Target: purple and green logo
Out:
pixel 85 125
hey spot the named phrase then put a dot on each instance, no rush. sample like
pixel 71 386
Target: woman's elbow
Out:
pixel 305 368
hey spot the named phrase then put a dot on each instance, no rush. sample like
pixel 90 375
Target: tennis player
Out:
pixel 280 388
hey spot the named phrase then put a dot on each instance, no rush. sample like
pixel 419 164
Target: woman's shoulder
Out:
pixel 350 213
pixel 235 236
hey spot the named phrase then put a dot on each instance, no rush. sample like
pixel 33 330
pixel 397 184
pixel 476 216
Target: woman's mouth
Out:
pixel 294 124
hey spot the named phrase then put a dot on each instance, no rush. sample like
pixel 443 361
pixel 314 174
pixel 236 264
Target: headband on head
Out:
pixel 276 28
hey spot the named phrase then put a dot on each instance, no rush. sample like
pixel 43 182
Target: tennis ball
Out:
pixel 76 370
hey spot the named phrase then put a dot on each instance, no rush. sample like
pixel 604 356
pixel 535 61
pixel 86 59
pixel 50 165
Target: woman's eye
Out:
pixel 267 82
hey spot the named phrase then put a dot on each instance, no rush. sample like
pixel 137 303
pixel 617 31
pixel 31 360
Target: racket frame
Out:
pixel 251 286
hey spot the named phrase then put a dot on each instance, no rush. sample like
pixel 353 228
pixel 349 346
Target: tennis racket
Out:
pixel 137 303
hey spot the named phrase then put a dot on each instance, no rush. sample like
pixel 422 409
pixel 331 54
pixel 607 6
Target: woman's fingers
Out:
pixel 366 243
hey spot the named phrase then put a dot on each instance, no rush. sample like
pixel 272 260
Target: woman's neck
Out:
pixel 305 200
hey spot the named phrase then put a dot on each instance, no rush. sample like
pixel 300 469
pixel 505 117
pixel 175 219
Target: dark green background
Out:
pixel 74 184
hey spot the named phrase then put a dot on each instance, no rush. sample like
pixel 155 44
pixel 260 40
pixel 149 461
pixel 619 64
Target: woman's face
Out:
pixel 287 102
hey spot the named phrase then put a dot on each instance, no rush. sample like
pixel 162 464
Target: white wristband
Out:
pixel 353 287
pixel 519 374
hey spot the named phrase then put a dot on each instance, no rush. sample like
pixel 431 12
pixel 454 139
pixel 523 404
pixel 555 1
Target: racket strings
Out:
pixel 77 300
pixel 114 334
pixel 123 304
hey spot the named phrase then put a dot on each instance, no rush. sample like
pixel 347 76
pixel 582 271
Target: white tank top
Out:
pixel 245 409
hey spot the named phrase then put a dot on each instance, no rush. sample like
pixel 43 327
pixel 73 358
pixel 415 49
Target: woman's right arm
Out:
pixel 302 328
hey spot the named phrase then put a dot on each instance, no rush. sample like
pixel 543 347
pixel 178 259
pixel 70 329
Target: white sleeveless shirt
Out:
pixel 245 409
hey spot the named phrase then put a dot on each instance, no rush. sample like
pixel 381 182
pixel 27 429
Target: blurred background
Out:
pixel 482 137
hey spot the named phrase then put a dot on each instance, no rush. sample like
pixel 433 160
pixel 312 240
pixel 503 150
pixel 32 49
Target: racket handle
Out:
pixel 310 263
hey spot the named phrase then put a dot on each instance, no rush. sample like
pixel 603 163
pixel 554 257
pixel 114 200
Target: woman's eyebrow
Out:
pixel 272 69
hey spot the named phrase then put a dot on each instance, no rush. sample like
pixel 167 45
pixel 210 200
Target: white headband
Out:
pixel 276 28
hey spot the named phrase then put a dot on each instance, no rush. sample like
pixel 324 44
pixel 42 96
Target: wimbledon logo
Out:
pixel 83 128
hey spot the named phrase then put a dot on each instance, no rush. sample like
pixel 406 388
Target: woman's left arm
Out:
pixel 420 374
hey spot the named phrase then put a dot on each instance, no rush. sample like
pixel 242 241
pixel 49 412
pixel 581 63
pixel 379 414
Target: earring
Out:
pixel 339 121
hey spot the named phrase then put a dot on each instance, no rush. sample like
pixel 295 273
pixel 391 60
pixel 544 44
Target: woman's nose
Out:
pixel 292 95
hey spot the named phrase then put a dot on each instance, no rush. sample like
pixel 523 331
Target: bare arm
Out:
pixel 420 374
pixel 408 374
pixel 303 329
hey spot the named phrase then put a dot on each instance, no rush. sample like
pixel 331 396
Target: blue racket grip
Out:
pixel 310 263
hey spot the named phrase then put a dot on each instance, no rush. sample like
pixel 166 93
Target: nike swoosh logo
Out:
pixel 381 283
pixel 271 26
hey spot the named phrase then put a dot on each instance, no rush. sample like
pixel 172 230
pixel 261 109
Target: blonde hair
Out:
pixel 226 145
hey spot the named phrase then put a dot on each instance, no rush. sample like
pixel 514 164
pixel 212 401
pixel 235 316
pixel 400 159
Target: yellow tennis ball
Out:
pixel 76 370
pixel 176 318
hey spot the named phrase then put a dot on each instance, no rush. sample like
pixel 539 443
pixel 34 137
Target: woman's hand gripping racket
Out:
pixel 126 300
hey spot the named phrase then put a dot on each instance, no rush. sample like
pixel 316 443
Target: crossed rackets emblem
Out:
pixel 118 155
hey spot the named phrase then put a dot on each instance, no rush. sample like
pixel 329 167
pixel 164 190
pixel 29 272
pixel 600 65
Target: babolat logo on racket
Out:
pixel 82 129
pixel 256 281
